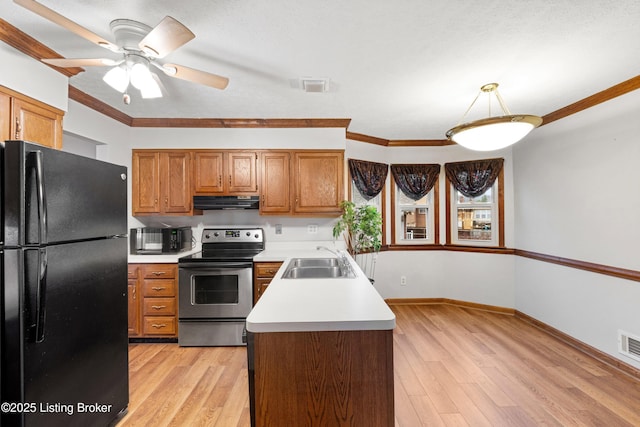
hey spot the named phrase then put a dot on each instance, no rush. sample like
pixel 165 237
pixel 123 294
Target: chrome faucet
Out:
pixel 344 263
pixel 327 249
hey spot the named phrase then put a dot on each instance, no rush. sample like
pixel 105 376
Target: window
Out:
pixel 415 204
pixel 475 202
pixel 474 218
pixel 414 218
pixel 367 185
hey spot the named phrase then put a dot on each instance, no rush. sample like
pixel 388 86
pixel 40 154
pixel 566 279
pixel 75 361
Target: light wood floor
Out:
pixel 453 367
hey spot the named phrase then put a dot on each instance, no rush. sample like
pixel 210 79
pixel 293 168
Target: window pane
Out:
pixel 486 197
pixel 357 198
pixel 474 223
pixel 414 223
pixel 404 200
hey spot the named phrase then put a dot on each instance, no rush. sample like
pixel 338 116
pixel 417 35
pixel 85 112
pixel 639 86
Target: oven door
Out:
pixel 215 291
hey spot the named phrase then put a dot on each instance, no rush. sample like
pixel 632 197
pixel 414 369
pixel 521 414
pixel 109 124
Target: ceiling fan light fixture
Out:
pixel 493 133
pixel 117 78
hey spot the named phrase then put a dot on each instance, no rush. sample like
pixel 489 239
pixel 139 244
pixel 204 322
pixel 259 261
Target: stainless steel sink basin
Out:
pixel 314 262
pixel 317 268
pixel 312 273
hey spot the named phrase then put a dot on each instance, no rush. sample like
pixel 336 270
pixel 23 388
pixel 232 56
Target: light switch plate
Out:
pixel 312 228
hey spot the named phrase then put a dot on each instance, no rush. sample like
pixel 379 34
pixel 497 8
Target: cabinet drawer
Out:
pixel 159 325
pixel 159 271
pixel 159 306
pixel 159 288
pixel 132 272
pixel 267 269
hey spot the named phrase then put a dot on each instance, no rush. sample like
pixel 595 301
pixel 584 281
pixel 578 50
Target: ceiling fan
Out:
pixel 140 46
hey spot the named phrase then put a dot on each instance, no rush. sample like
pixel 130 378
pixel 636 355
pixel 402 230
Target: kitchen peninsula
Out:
pixel 321 352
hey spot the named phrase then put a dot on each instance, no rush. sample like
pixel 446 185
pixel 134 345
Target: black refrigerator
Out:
pixel 64 355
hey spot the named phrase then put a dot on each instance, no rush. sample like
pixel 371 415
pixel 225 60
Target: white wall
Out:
pixel 577 196
pixel 30 77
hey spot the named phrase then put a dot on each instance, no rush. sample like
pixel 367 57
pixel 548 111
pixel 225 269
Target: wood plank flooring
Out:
pixel 453 366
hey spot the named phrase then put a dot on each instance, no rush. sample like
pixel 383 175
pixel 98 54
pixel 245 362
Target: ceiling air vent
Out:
pixel 629 345
pixel 318 85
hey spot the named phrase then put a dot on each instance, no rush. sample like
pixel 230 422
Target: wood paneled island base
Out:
pixel 324 378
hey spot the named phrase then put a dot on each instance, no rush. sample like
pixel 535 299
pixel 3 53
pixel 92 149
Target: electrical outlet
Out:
pixel 278 228
pixel 312 228
pixel 403 280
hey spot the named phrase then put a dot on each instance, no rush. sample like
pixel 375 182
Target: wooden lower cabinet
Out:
pixel 325 378
pixel 155 310
pixel 263 272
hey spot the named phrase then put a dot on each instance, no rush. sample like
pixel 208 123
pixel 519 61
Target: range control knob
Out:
pixel 206 236
pixel 256 235
pixel 216 234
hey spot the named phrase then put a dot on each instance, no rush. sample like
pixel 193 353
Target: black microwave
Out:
pixel 154 241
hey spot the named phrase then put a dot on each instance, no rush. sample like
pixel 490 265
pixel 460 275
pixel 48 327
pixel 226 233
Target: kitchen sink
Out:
pixel 317 268
pixel 314 262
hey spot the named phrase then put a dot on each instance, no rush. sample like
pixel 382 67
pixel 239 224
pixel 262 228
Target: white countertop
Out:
pixel 295 305
pixel 158 259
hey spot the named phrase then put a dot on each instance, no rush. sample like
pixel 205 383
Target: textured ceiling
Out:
pixel 405 69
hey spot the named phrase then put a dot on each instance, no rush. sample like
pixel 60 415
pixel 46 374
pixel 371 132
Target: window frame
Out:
pixel 452 226
pixel 435 196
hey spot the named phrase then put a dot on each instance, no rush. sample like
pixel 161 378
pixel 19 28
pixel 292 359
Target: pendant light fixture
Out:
pixel 492 133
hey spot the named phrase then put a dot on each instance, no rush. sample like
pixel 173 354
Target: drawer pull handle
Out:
pixel 158 325
pixel 158 273
pixel 158 288
pixel 158 307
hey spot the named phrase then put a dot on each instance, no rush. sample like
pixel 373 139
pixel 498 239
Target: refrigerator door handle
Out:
pixel 35 159
pixel 36 303
pixel 41 296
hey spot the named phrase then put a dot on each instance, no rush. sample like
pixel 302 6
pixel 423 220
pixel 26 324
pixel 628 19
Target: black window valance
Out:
pixel 415 180
pixel 369 177
pixel 473 178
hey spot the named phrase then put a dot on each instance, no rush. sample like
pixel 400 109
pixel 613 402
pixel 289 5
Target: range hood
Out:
pixel 225 202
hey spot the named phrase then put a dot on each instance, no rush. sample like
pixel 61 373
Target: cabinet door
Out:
pixel 242 172
pixel 134 307
pixel 275 183
pixel 176 185
pixel 35 123
pixel 5 117
pixel 318 182
pixel 145 183
pixel 208 172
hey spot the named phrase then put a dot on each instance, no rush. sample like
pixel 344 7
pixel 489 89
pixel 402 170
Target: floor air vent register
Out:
pixel 629 345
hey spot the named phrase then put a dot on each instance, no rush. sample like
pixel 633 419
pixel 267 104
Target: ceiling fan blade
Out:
pixel 56 18
pixel 166 37
pixel 80 62
pixel 197 76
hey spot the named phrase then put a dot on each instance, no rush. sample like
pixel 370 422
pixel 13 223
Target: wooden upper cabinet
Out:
pixel 27 119
pixel 275 182
pixel 5 117
pixel 225 172
pixel 242 170
pixel 319 182
pixel 208 171
pixel 161 182
pixel 175 183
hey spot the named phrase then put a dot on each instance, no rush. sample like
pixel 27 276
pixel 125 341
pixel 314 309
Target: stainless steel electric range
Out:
pixel 215 287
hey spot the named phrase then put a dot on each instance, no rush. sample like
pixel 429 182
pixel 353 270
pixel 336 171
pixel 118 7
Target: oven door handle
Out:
pixel 211 266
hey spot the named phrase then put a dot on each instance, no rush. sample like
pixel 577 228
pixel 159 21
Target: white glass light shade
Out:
pixel 117 78
pixel 493 133
pixel 142 79
pixel 140 75
pixel 151 88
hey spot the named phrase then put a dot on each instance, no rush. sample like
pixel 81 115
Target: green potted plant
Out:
pixel 361 227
